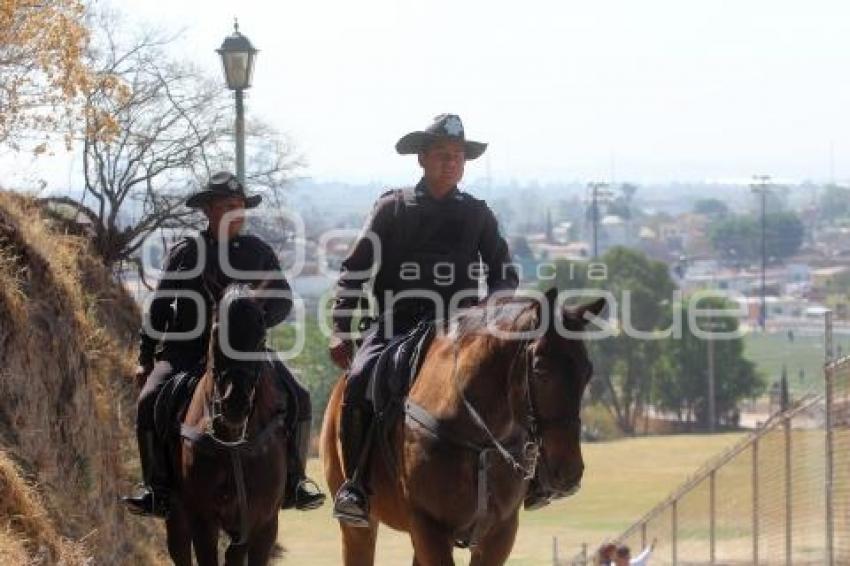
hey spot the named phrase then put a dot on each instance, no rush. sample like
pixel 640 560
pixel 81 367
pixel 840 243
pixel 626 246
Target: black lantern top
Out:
pixel 237 57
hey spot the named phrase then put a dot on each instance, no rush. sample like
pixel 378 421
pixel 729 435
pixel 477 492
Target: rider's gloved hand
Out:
pixel 341 351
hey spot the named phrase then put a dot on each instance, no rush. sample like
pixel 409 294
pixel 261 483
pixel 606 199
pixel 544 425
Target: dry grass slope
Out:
pixel 65 399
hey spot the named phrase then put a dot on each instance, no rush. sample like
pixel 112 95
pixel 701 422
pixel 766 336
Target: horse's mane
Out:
pixel 245 321
pixel 505 313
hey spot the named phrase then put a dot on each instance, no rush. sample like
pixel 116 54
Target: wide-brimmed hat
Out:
pixel 445 126
pixel 222 185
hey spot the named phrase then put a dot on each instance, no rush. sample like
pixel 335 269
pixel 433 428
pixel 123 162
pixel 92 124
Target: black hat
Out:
pixel 444 126
pixel 223 184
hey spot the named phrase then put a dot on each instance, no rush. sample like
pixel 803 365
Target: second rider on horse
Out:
pixel 193 277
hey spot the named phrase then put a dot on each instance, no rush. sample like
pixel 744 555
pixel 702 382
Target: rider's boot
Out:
pixel 351 503
pixel 152 499
pixel 302 493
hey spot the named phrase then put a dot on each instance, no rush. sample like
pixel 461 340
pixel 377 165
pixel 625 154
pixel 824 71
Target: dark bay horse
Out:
pixel 487 408
pixel 230 463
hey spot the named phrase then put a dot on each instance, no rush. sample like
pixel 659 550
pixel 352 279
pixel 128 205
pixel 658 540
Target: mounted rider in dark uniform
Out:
pixel 194 279
pixel 429 244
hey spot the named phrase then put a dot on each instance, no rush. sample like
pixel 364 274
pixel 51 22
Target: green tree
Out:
pixel 711 207
pixel 739 237
pixel 625 365
pixel 684 388
pixel 834 203
pixel 312 366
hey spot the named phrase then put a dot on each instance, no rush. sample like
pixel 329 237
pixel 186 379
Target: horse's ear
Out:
pixel 549 303
pixel 585 312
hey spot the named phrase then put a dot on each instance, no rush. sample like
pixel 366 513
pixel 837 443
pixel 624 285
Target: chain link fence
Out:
pixel 780 496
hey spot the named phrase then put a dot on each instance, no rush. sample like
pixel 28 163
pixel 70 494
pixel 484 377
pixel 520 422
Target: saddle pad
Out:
pixel 397 367
pixel 173 399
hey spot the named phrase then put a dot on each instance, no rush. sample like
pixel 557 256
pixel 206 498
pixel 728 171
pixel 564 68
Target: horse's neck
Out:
pixel 488 378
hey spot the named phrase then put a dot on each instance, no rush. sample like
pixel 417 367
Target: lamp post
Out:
pixel 237 58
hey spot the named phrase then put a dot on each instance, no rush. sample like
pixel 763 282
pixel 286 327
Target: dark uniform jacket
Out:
pixel 443 246
pixel 169 313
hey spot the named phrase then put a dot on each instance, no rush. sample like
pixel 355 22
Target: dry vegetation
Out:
pixel 66 400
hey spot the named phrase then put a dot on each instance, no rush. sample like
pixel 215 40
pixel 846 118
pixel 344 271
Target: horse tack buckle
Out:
pixel 530 455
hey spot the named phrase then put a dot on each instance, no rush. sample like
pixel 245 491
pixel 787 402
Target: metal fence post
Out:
pixel 788 495
pixel 712 510
pixel 828 464
pixel 674 528
pixel 755 500
pixel 828 472
pixel 643 535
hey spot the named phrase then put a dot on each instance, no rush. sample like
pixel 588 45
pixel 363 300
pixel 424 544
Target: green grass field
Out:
pixel 806 353
pixel 623 480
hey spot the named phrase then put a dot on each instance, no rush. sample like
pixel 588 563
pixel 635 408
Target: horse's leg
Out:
pixel 431 545
pixel 179 537
pixel 205 541
pixel 261 544
pixel 358 544
pixel 496 546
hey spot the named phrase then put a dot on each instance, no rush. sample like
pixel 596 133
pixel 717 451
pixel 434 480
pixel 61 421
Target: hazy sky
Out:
pixel 648 90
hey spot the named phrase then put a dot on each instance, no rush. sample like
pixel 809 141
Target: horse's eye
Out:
pixel 539 366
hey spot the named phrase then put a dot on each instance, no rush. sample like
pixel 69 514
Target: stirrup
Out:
pixel 351 505
pixel 147 504
pixel 308 495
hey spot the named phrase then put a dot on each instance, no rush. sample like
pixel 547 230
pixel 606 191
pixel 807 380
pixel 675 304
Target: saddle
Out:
pixel 173 400
pixel 393 375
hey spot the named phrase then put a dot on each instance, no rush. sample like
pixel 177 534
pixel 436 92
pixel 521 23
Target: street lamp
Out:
pixel 237 58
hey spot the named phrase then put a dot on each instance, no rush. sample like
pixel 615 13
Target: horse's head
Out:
pixel 239 329
pixel 557 371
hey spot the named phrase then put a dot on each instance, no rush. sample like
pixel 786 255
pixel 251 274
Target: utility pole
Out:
pixel 761 185
pixel 594 211
pixel 712 403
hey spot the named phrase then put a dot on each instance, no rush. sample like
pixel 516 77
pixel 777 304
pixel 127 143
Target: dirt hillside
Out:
pixel 67 335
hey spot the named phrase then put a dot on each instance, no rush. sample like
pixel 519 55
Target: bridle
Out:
pixel 533 453
pixel 535 425
pixel 215 408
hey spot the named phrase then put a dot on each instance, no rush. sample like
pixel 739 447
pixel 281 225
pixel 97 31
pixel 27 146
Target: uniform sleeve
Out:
pixel 356 268
pixel 160 311
pixel 276 308
pixel 501 273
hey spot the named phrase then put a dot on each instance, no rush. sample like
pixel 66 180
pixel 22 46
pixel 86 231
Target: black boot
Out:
pixel 351 503
pixel 302 493
pixel 152 500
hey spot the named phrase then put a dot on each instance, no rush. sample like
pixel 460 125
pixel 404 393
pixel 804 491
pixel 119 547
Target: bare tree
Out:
pixel 173 127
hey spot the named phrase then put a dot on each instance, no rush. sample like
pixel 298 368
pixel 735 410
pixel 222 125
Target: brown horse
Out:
pixel 487 412
pixel 233 430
